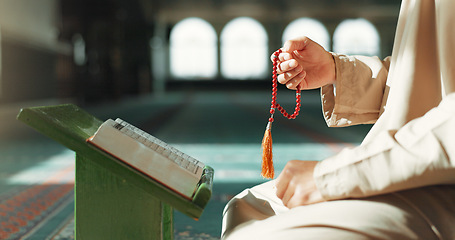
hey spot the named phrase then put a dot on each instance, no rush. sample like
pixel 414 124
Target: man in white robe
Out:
pixel 400 182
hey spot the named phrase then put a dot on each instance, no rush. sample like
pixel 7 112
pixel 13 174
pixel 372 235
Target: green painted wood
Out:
pixel 102 180
pixel 110 207
pixel 167 222
pixel 204 191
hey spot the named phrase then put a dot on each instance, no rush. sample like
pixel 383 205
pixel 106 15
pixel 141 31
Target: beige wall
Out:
pixel 29 47
pixel 30 21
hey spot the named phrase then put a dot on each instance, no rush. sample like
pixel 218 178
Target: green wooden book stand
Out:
pixel 112 200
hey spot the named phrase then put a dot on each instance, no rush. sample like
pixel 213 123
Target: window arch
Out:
pixel 307 27
pixel 193 49
pixel 244 51
pixel 356 36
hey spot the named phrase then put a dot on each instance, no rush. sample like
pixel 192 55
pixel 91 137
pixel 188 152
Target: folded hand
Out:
pixel 296 186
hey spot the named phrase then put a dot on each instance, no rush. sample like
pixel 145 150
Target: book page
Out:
pixel 183 160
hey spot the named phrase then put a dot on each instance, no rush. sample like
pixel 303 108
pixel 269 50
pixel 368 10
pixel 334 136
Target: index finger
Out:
pixel 284 56
pixel 295 44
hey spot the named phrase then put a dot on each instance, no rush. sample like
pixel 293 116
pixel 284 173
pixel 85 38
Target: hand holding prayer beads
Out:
pixel 267 155
pixel 304 64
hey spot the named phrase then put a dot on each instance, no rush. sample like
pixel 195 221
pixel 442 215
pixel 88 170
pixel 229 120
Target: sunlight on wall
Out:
pixel 244 49
pixel 356 36
pixel 193 49
pixel 307 27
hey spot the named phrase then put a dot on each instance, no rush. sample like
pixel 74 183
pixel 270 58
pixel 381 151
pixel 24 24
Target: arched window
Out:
pixel 244 51
pixel 307 27
pixel 193 45
pixel 356 36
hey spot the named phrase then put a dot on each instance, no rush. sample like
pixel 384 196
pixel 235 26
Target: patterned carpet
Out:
pixel 220 128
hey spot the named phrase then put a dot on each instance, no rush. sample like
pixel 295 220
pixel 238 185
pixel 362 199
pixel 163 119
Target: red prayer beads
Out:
pixel 274 93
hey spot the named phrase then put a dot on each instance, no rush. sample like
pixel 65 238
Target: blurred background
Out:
pixel 194 73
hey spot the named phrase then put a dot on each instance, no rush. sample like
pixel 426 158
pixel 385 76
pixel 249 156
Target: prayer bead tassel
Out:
pixel 267 157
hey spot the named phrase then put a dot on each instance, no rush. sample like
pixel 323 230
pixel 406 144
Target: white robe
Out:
pixel 400 182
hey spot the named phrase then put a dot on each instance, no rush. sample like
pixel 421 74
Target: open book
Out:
pixel 149 155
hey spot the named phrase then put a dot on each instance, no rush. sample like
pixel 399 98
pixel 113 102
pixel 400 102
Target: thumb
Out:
pixel 296 44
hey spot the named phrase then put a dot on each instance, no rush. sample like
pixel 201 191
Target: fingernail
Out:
pixel 292 64
pixel 288 56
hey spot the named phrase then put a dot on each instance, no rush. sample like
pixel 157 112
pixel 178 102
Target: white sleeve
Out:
pixel 421 153
pixel 357 97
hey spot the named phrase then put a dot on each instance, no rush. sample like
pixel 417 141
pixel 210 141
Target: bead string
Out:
pixel 275 105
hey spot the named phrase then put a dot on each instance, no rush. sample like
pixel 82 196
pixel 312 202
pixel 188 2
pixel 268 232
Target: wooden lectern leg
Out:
pixel 107 206
pixel 168 221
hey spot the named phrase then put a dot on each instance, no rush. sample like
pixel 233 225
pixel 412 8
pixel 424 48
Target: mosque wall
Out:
pixel 104 50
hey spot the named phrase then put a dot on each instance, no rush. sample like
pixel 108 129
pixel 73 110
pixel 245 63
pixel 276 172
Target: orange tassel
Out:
pixel 267 156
